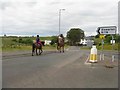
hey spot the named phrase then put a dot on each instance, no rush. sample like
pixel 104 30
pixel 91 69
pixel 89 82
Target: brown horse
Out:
pixel 60 43
pixel 36 46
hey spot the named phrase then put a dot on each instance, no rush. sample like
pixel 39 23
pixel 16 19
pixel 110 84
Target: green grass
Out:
pixel 105 47
pixel 108 47
pixel 17 48
pixel 15 40
pixel 11 43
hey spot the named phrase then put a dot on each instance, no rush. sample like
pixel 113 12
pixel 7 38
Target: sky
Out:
pixel 32 17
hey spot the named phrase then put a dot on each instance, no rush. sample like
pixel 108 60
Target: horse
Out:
pixel 60 44
pixel 36 46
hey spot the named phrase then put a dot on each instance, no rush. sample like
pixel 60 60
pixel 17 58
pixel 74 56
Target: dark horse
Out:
pixel 60 43
pixel 36 46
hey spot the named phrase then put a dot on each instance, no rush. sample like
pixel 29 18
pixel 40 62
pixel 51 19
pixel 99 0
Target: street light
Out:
pixel 60 18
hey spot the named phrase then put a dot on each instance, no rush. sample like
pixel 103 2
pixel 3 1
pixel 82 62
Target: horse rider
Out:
pixel 38 40
pixel 58 42
pixel 60 37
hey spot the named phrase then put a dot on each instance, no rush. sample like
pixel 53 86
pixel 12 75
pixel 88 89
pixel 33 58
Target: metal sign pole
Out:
pixel 102 49
pixel 102 41
pixel 112 42
pixel 112 49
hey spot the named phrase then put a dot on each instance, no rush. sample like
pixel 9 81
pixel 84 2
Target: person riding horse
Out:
pixel 38 42
pixel 60 42
pixel 37 45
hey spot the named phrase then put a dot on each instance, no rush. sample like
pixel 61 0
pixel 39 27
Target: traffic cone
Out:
pixel 93 54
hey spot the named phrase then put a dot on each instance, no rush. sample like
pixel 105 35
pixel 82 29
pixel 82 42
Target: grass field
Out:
pixel 10 44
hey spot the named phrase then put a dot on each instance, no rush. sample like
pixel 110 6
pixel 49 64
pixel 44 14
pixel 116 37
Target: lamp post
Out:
pixel 60 18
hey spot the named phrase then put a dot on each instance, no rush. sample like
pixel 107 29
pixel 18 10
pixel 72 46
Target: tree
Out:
pixel 108 38
pixel 117 38
pixel 75 35
pixel 97 36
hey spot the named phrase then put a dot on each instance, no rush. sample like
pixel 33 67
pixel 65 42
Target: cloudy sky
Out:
pixel 31 17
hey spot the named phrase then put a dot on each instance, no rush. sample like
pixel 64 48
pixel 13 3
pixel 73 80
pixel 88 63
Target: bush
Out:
pixel 28 41
pixel 20 40
pixel 25 41
pixel 54 40
pixel 14 40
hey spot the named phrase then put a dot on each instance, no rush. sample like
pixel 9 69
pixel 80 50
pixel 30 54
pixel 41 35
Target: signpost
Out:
pixel 108 30
pixel 102 55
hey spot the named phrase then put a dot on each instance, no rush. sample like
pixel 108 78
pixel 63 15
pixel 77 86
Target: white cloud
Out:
pixel 41 16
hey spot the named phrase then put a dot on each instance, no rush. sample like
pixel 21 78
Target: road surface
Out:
pixel 57 70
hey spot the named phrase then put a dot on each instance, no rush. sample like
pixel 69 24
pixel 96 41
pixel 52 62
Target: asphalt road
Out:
pixel 57 70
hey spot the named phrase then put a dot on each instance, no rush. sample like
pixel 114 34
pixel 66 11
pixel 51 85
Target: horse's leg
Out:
pixel 32 53
pixel 33 49
pixel 63 49
pixel 39 51
pixel 57 46
pixel 60 49
pixel 36 52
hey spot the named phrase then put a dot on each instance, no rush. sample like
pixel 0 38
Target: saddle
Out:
pixel 38 45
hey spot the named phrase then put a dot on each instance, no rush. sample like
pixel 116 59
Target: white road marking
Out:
pixel 87 61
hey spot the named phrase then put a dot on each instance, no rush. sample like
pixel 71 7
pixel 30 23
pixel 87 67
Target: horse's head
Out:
pixel 43 43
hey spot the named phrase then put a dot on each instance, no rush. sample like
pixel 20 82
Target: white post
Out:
pixel 113 58
pixel 100 57
pixel 103 56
